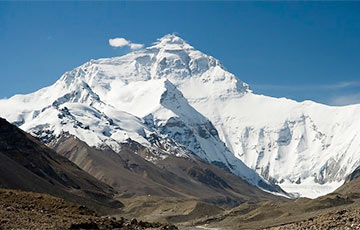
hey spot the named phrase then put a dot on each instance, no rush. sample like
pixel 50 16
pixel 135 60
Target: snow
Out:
pixel 189 99
pixel 310 190
pixel 290 141
pixel 138 98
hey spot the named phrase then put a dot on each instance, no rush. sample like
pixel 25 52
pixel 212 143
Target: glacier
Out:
pixel 192 103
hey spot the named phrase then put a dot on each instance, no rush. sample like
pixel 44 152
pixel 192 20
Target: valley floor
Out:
pixel 27 210
pixel 333 211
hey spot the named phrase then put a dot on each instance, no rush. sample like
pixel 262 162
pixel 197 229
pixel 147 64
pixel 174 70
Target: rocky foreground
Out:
pixel 27 210
pixel 343 219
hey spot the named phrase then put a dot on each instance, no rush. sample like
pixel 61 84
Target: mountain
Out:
pixel 307 148
pixel 193 105
pixel 27 164
pixel 104 110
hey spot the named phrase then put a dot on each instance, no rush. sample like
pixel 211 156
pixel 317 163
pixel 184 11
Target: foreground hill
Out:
pixel 27 164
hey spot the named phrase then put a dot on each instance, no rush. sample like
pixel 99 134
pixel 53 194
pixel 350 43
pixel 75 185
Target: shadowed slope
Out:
pixel 27 164
pixel 131 175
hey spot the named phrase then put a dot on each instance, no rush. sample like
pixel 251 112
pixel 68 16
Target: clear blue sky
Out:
pixel 297 50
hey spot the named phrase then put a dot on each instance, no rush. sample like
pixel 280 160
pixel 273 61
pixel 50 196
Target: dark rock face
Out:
pixel 354 174
pixel 208 177
pixel 221 165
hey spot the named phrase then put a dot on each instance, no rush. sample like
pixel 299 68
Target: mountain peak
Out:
pixel 171 37
pixel 171 41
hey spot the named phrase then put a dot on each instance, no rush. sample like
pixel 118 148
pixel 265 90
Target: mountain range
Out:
pixel 172 103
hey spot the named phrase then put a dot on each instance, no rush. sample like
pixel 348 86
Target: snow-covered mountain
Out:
pixel 191 103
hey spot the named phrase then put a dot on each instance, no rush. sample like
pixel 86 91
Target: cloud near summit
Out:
pixel 121 42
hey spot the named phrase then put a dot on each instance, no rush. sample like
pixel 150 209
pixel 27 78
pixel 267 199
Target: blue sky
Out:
pixel 298 50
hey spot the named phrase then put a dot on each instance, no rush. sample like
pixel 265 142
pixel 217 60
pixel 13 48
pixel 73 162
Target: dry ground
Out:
pixel 27 210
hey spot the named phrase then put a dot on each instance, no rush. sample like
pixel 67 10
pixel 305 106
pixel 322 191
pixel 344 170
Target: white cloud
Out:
pixel 121 42
pixel 118 42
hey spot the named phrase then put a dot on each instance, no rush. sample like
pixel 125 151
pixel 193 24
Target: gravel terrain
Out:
pixel 343 219
pixel 27 210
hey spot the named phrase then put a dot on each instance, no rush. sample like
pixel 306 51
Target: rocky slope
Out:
pixel 345 219
pixel 20 210
pixel 27 164
pixel 131 175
